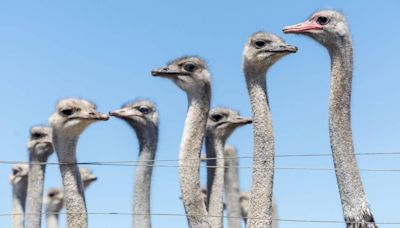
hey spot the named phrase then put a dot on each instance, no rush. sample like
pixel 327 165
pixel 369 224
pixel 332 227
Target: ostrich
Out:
pixel 244 207
pixel 40 147
pixel 19 182
pixel 220 125
pixel 330 29
pixel 54 199
pixel 54 202
pixel 261 51
pixel 191 75
pixel 71 118
pixel 232 187
pixel 237 203
pixel 87 177
pixel 142 116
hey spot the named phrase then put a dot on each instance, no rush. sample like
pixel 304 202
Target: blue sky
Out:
pixel 104 51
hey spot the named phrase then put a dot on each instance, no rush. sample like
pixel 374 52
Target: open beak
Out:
pixel 125 113
pixel 167 72
pixel 302 27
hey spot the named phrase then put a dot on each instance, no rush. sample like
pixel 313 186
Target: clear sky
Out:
pixel 104 51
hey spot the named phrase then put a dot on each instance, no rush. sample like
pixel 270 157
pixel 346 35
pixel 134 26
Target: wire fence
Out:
pixel 212 216
pixel 204 166
pixel 155 163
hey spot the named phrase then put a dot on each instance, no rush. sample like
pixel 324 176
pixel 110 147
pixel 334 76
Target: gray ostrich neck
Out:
pixel 35 189
pixel 189 158
pixel 73 188
pixel 232 191
pixel 215 177
pixel 52 220
pixel 147 137
pixel 18 208
pixel 353 198
pixel 263 152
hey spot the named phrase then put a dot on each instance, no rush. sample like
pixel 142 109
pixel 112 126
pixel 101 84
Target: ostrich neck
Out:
pixel 73 188
pixel 263 152
pixel 141 204
pixel 215 178
pixel 52 220
pixel 18 208
pixel 232 192
pixel 189 159
pixel 353 198
pixel 35 189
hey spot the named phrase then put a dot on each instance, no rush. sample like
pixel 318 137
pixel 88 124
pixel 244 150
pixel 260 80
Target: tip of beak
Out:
pixel 288 29
pixel 293 49
pixel 285 30
pixel 154 73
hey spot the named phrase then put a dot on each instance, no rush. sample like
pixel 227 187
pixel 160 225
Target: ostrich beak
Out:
pixel 125 113
pixel 285 48
pixel 167 72
pixel 93 115
pixel 302 27
pixel 92 178
pixel 240 120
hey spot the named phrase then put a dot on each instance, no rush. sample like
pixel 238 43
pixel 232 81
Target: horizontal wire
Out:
pixel 199 166
pixel 211 216
pixel 203 159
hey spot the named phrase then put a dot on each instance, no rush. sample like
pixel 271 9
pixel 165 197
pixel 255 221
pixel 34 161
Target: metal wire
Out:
pixel 204 159
pixel 214 216
pixel 130 163
pixel 194 166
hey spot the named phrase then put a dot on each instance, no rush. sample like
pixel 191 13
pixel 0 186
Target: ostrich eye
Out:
pixel 259 43
pixel 190 67
pixel 15 171
pixel 67 111
pixel 322 20
pixel 37 135
pixel 144 110
pixel 51 195
pixel 216 117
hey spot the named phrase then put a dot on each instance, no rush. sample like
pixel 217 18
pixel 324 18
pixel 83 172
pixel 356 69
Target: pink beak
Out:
pixel 302 27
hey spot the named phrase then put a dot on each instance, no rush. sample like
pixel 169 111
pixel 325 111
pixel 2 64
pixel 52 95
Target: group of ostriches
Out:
pixel 204 208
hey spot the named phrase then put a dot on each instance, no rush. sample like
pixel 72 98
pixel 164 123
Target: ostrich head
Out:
pixel 262 50
pixel 54 200
pixel 72 116
pixel 140 114
pixel 230 151
pixel 244 203
pixel 40 141
pixel 222 122
pixel 327 27
pixel 87 176
pixel 189 73
pixel 19 174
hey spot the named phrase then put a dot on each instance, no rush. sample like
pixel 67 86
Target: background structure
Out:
pixel 104 51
